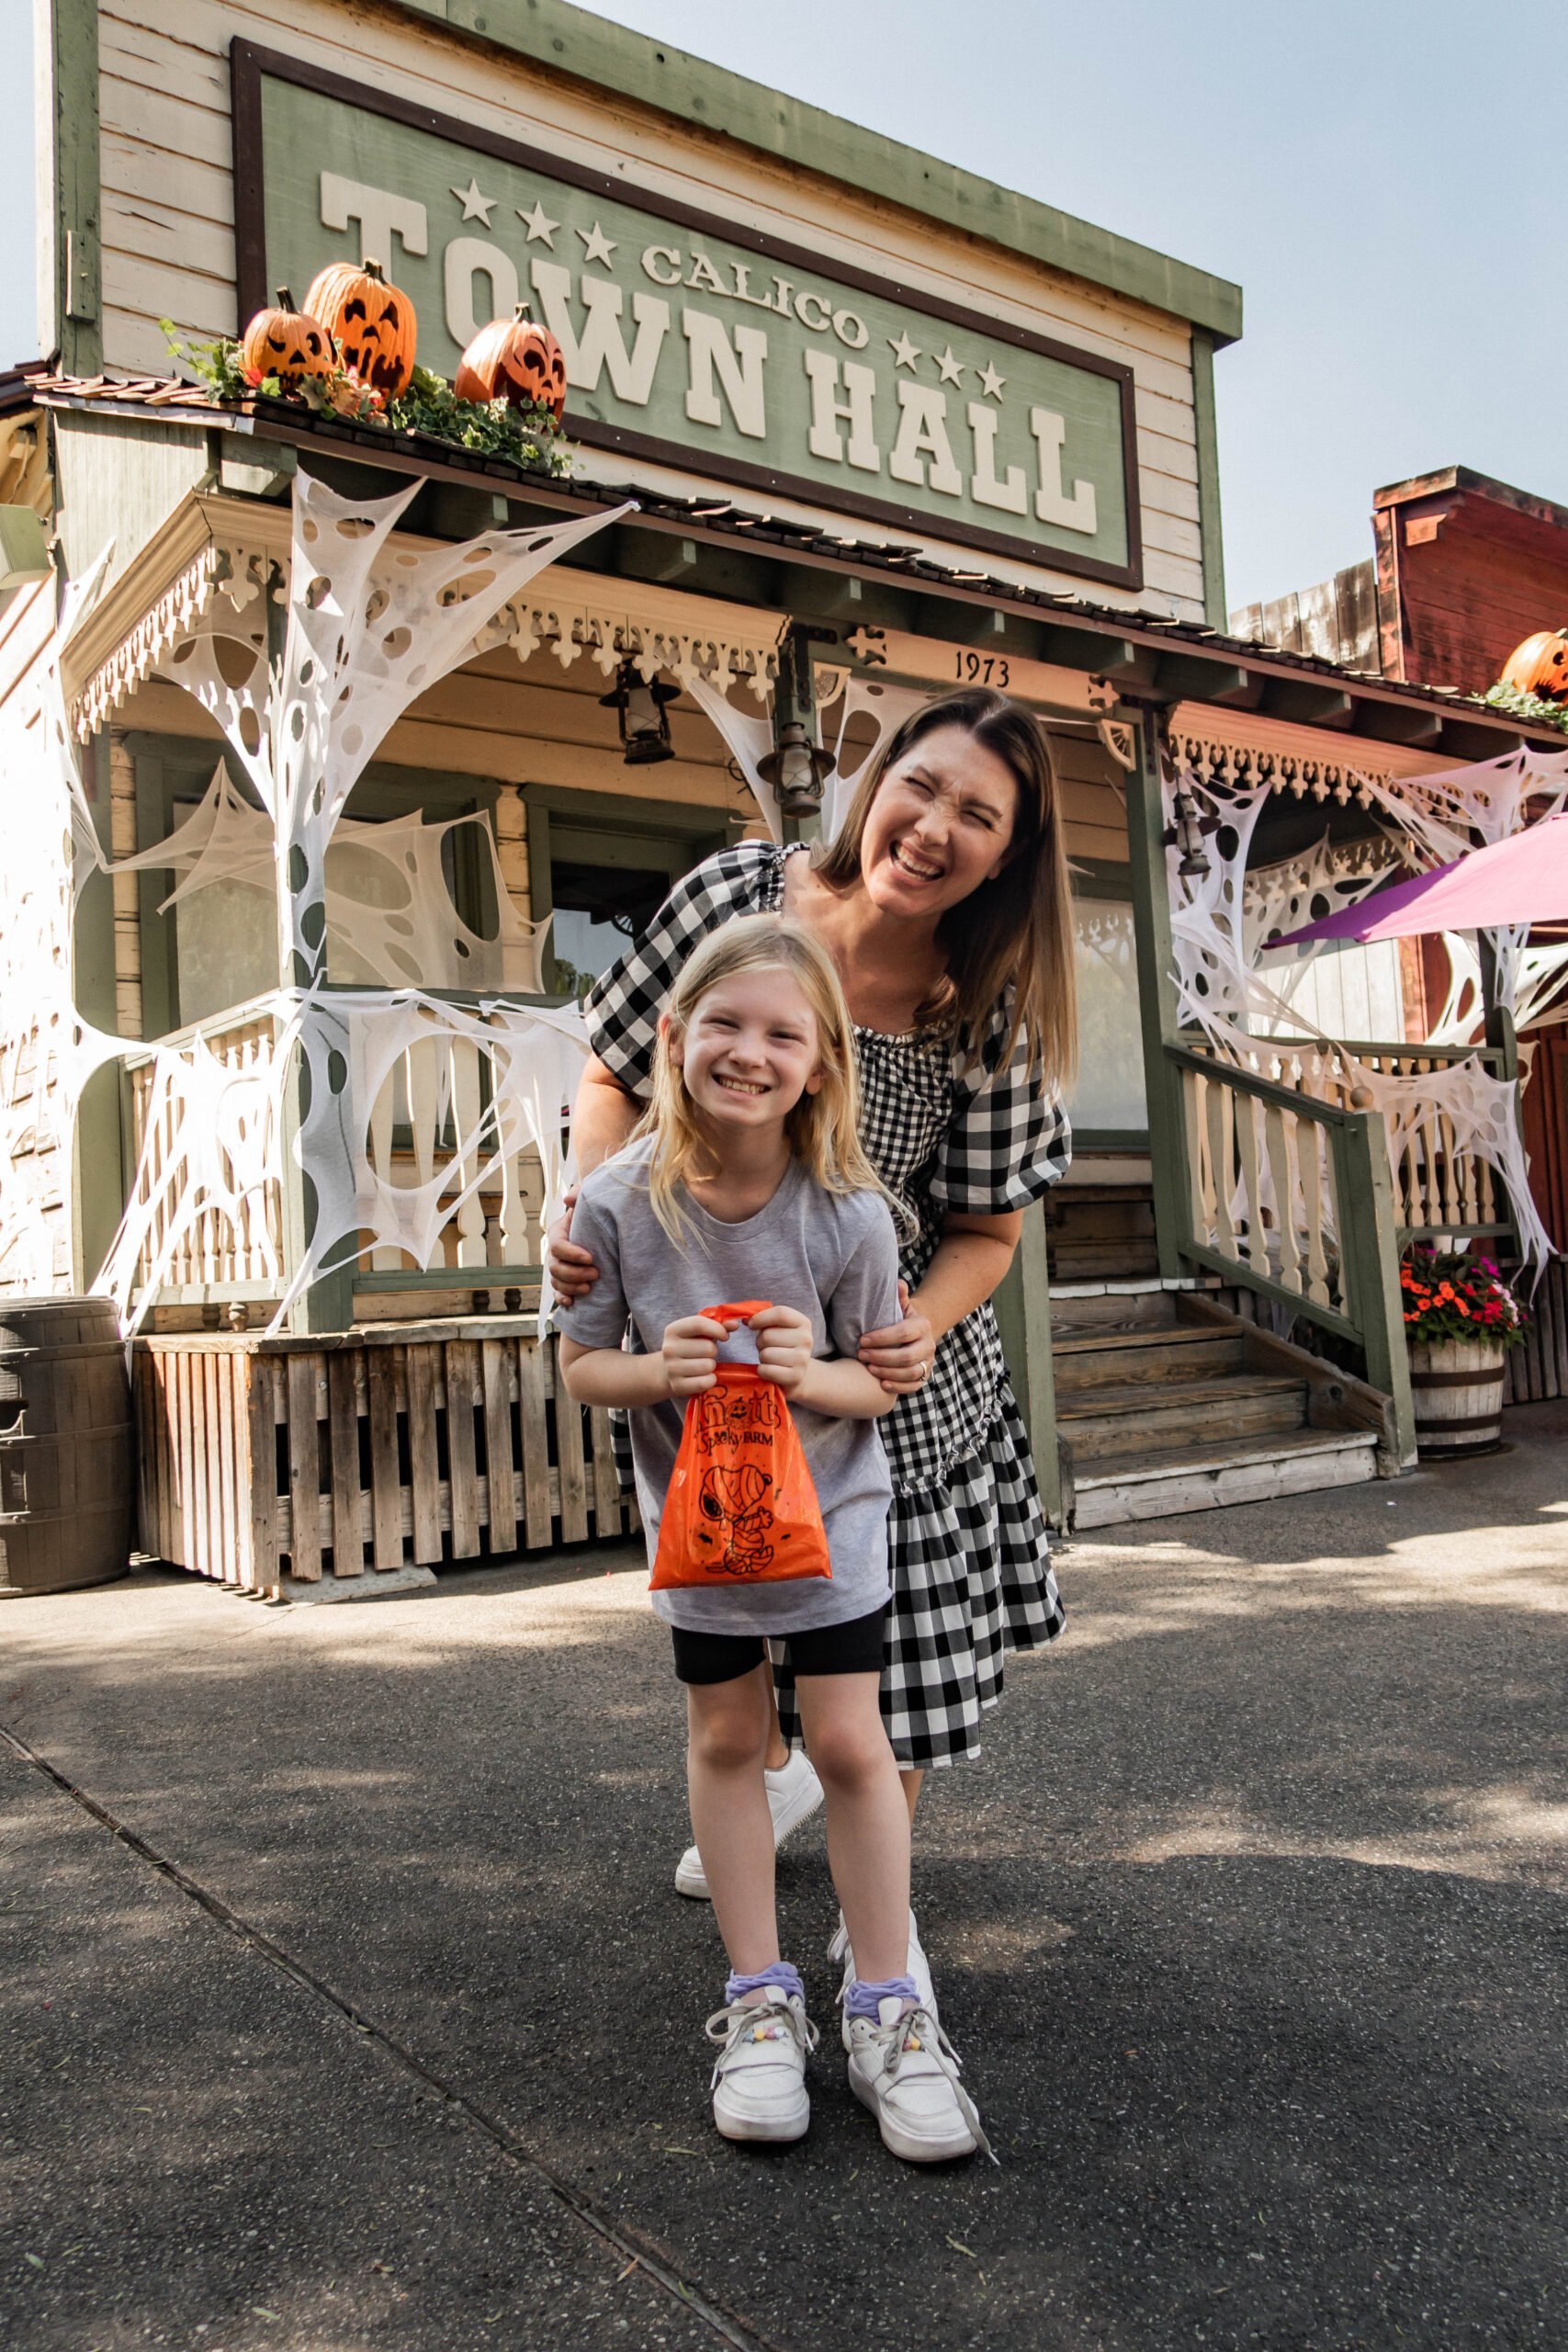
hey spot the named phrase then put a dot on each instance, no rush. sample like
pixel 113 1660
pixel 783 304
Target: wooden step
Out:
pixel 1092 1306
pixel 1183 1351
pixel 1135 1416
pixel 1088 1261
pixel 1161 1482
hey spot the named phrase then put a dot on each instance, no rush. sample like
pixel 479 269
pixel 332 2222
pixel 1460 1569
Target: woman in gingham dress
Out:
pixel 945 902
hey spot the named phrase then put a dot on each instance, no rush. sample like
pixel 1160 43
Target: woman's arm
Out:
pixel 971 1258
pixel 601 1118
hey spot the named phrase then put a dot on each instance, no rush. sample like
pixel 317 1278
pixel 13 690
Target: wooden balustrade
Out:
pixel 436 1120
pixel 1442 1187
pixel 1291 1197
pixel 233 1249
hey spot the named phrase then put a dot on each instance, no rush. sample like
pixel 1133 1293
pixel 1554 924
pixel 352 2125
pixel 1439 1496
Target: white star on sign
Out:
pixel 475 205
pixel 991 383
pixel 904 352
pixel 538 223
pixel 950 370
pixel 599 246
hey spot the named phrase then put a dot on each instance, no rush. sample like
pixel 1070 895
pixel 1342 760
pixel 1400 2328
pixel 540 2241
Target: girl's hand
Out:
pixel 572 1272
pixel 902 1355
pixel 784 1341
pixel 690 1352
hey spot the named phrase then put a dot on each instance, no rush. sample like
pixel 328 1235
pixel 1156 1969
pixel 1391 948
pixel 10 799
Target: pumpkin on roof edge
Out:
pixel 372 323
pixel 286 341
pixel 515 360
pixel 1540 666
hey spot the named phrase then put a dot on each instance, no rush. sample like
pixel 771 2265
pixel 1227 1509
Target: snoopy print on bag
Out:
pixel 740 1502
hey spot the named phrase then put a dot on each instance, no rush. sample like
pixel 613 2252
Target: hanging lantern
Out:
pixel 1189 831
pixel 795 767
pixel 638 703
pixel 372 325
pixel 1540 666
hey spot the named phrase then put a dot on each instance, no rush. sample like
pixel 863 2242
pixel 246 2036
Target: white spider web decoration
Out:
pixel 1435 1119
pixel 368 627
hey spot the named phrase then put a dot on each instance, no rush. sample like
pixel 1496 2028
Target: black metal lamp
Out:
pixel 795 767
pixel 638 703
pixel 1187 833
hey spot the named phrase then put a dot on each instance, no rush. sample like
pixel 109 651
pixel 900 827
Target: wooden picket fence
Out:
pixel 1539 1370
pixel 260 1459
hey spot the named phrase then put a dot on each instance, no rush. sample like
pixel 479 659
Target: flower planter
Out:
pixel 1457 1387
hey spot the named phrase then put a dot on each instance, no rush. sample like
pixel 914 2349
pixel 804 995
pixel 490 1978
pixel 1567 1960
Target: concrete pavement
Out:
pixel 386 2031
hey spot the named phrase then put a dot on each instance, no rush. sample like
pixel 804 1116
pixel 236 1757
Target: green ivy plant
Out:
pixel 1535 708
pixel 526 436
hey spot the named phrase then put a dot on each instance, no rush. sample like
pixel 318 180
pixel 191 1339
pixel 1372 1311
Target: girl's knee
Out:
pixel 727 1728
pixel 850 1758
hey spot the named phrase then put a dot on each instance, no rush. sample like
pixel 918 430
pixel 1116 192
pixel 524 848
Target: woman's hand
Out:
pixel 572 1272
pixel 690 1352
pixel 785 1340
pixel 902 1355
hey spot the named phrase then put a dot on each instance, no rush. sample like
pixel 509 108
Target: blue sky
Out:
pixel 1384 179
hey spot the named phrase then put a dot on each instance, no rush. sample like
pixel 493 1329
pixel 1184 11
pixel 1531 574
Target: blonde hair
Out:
pixel 1016 930
pixel 822 1129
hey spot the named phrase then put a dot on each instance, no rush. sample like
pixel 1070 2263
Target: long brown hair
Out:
pixel 822 1130
pixel 1016 932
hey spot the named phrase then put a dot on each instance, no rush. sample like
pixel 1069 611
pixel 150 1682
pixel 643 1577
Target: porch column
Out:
pixel 1157 991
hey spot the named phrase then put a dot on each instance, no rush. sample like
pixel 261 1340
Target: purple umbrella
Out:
pixel 1523 879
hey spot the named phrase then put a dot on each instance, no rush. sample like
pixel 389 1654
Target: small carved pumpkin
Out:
pixel 1540 666
pixel 372 325
pixel 287 343
pixel 516 361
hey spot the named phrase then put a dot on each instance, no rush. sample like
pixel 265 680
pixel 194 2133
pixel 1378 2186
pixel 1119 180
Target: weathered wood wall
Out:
pixel 168 211
pixel 259 1459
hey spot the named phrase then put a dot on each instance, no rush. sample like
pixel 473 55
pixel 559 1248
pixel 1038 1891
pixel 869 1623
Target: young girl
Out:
pixel 747 1180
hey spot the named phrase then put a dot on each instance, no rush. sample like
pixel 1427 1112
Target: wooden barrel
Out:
pixel 1456 1389
pixel 65 1445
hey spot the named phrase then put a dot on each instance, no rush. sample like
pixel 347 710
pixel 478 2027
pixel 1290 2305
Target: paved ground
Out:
pixel 1249 1925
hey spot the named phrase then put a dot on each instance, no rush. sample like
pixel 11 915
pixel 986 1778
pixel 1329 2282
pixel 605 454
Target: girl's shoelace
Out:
pixel 739 2023
pixel 918 2029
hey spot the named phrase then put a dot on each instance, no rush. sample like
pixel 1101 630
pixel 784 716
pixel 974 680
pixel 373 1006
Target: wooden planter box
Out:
pixel 375 1449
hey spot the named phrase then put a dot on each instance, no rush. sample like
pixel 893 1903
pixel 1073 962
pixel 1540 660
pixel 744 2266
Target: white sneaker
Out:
pixel 920 1968
pixel 759 2080
pixel 793 1794
pixel 905 2069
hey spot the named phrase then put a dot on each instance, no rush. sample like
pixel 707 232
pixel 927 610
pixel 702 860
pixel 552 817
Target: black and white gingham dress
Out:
pixel 969 1551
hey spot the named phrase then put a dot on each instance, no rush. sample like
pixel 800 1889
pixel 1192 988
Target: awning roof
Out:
pixel 1144 657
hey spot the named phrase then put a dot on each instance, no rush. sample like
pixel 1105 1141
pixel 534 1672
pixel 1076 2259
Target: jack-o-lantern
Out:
pixel 371 324
pixel 516 361
pixel 287 343
pixel 1540 666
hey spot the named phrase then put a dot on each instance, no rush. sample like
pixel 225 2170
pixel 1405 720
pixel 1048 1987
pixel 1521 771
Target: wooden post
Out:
pixel 1023 1306
pixel 1370 1249
pixel 328 1304
pixel 1169 1143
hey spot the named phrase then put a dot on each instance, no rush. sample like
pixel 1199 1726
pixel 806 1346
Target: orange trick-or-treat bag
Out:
pixel 741 1508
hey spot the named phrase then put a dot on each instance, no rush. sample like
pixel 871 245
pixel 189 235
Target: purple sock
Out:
pixel 861 2000
pixel 780 1975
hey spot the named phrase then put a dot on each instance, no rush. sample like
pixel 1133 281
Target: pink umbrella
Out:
pixel 1523 879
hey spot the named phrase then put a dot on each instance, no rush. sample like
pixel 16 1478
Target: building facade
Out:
pixel 850 426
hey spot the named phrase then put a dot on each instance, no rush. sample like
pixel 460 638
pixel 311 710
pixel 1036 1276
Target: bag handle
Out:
pixel 737 1311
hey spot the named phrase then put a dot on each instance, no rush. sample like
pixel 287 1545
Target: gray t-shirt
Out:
pixel 833 1257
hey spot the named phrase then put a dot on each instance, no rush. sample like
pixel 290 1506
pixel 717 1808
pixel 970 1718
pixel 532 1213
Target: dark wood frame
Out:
pixel 248 64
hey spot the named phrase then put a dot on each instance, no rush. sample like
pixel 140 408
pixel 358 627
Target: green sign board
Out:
pixel 698 342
